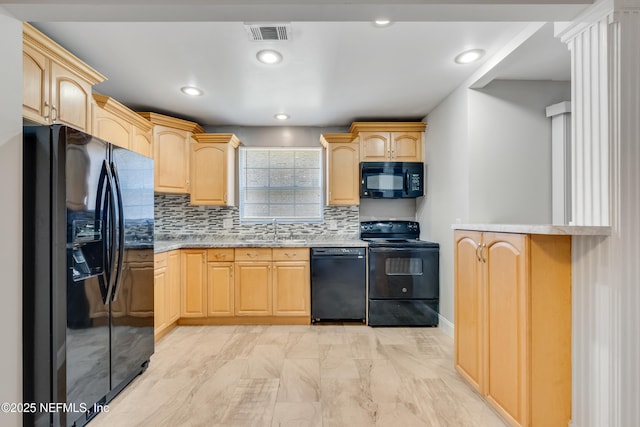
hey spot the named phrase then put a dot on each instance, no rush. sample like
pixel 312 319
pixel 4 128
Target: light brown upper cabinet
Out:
pixel 56 85
pixel 213 167
pixel 343 168
pixel 119 125
pixel 171 146
pixel 389 141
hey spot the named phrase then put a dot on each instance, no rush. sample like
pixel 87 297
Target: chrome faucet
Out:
pixel 275 229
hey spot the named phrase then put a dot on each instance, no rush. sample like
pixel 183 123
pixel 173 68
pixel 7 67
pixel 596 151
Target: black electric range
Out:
pixel 404 274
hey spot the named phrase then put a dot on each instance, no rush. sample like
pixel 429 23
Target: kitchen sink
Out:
pixel 278 242
pixel 291 242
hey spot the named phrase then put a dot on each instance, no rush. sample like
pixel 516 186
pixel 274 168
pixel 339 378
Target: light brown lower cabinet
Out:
pixel 166 302
pixel 220 283
pixel 513 323
pixel 193 295
pixel 291 282
pixel 159 295
pixel 173 282
pixel 245 285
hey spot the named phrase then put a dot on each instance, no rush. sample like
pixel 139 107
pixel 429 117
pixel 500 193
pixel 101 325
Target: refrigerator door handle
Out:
pixel 120 209
pixel 101 215
pixel 112 233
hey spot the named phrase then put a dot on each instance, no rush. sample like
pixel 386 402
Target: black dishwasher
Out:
pixel 338 284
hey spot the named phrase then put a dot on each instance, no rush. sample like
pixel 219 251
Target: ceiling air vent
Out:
pixel 266 32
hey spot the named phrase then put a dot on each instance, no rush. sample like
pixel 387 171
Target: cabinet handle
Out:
pixel 47 109
pixel 478 248
pixel 224 197
pixel 252 254
pixel 290 255
pixel 483 259
pixel 54 118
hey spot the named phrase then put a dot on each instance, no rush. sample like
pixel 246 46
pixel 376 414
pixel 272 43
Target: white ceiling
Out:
pixel 333 71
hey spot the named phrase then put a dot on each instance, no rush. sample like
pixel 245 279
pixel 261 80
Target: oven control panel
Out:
pixel 389 229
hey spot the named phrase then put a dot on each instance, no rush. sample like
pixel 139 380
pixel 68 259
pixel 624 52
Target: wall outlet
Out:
pixel 227 223
pixel 332 225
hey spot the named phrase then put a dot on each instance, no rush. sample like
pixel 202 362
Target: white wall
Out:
pixel 488 160
pixel 510 149
pixel 447 185
pixel 11 214
pixel 277 136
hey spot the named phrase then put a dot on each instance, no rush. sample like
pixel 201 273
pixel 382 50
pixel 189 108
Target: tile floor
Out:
pixel 320 376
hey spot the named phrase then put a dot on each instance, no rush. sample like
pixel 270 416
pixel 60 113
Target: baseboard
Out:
pixel 445 326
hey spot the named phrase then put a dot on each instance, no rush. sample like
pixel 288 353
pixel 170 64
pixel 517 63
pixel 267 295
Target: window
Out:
pixel 282 183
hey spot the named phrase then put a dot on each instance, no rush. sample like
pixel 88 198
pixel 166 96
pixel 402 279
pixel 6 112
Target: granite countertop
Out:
pixel 186 242
pixel 567 230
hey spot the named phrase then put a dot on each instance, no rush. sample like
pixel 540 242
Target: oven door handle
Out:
pixel 403 249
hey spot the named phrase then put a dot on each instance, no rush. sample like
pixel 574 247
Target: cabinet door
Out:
pixel 220 289
pixel 136 289
pixel 71 98
pixel 142 142
pixel 469 294
pixel 35 86
pixel 172 304
pixel 375 146
pixel 159 303
pixel 209 174
pixel 111 128
pixel 406 146
pixel 291 289
pixel 507 325
pixel 253 292
pixel 171 155
pixel 193 296
pixel 344 174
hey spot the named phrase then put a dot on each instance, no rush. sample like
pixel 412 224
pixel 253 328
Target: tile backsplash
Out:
pixel 175 217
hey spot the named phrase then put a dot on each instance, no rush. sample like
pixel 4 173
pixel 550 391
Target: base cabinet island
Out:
pixel 513 318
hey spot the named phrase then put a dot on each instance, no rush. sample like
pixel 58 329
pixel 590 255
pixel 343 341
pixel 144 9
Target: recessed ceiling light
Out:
pixel 281 116
pixel 381 22
pixel 469 56
pixel 191 91
pixel 269 56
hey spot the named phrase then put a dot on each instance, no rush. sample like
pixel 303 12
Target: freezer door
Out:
pixel 88 201
pixel 132 313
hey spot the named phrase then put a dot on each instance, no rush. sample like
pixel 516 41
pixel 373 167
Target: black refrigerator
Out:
pixel 87 273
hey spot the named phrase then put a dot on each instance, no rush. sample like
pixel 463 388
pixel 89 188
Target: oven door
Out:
pixel 403 273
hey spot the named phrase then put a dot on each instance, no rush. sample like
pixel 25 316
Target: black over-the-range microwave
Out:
pixel 391 180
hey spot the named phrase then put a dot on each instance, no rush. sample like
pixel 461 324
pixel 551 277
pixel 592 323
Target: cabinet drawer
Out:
pixel 160 260
pixel 220 255
pixel 291 254
pixel 253 254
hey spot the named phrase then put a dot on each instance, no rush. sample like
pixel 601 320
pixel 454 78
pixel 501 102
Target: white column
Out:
pixel 560 114
pixel 605 51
